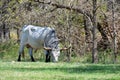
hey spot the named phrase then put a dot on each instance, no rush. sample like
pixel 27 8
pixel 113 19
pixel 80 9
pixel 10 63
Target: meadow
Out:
pixel 58 71
pixel 77 69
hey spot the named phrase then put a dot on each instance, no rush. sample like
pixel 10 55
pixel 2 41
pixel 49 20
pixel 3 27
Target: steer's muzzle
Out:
pixel 55 52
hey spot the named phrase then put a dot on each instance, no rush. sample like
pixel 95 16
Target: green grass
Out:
pixel 39 70
pixel 58 71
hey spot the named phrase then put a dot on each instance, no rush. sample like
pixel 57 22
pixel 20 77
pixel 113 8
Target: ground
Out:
pixel 58 71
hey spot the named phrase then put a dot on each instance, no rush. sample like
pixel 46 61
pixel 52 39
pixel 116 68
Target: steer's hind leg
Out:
pixel 31 55
pixel 21 51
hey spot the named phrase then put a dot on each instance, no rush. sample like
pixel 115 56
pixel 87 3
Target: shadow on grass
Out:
pixel 78 69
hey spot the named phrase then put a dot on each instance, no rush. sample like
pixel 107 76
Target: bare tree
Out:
pixel 94 32
pixel 114 32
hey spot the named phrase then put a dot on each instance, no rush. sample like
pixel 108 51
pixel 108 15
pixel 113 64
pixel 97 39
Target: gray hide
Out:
pixel 35 37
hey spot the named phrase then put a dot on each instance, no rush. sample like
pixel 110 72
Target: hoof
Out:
pixel 18 60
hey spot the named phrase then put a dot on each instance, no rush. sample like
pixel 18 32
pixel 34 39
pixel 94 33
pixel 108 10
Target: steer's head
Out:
pixel 55 52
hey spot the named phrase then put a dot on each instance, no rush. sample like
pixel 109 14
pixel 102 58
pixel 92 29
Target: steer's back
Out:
pixel 34 35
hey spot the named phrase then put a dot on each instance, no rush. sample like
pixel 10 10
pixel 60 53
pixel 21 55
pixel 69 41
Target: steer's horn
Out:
pixel 63 48
pixel 66 48
pixel 47 48
pixel 59 39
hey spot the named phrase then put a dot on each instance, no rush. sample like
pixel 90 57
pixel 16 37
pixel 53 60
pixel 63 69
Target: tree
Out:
pixel 114 32
pixel 94 32
pixel 4 29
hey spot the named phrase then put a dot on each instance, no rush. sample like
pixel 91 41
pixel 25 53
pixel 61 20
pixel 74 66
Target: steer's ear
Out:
pixel 47 48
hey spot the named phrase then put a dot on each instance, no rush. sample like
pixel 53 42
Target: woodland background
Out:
pixel 90 27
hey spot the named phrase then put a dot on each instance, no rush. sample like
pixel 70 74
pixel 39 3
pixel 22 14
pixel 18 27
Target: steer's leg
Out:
pixel 31 55
pixel 47 56
pixel 21 51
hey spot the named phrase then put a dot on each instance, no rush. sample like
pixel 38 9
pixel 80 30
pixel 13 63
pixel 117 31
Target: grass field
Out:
pixel 58 71
pixel 78 69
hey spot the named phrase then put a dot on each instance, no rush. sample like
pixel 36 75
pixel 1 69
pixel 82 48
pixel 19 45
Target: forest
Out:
pixel 90 27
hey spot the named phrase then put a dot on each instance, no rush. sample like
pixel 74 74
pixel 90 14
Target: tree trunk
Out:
pixel 4 33
pixel 87 28
pixel 88 34
pixel 114 33
pixel 94 32
pixel 104 42
pixel 18 34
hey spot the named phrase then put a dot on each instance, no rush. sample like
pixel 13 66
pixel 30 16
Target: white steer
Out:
pixel 35 37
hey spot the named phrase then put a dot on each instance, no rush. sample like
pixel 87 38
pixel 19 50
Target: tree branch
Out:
pixel 79 10
pixel 66 7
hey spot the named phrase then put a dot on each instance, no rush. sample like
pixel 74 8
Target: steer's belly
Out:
pixel 36 44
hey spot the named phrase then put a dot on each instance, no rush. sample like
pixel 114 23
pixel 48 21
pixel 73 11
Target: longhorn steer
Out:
pixel 35 37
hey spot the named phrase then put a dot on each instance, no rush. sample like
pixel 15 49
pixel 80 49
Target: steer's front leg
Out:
pixel 47 56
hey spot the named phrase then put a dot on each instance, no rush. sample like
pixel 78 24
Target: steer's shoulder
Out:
pixel 36 28
pixel 27 27
pixel 51 29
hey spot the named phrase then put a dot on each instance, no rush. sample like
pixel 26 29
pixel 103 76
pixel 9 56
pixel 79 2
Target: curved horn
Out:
pixel 63 48
pixel 47 48
pixel 66 48
pixel 59 39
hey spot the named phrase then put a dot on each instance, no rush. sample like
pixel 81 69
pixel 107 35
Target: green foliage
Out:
pixel 77 19
pixel 8 51
pixel 105 56
pixel 87 58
